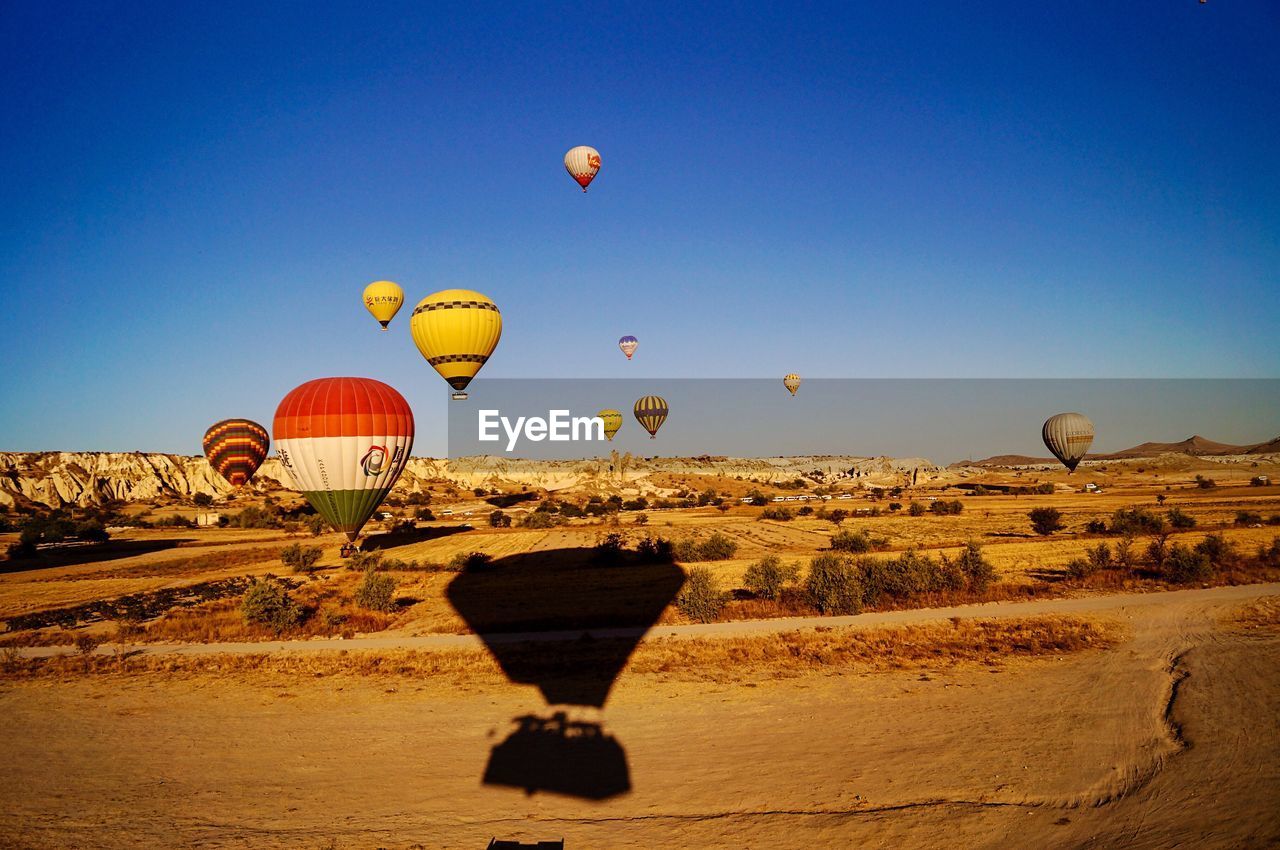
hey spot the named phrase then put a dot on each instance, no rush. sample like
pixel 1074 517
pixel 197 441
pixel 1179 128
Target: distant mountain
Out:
pixel 1195 445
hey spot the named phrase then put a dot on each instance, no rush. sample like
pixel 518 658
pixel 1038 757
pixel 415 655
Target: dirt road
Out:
pixel 1171 739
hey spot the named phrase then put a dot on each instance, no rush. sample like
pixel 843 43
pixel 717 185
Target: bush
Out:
pixel 498 519
pixel 362 561
pixel 267 603
pixel 1136 521
pixel 1099 556
pixel 857 542
pixel 655 550
pixel 609 551
pixel 316 524
pixel 1269 556
pixel 945 508
pixel 376 592
pixel 717 547
pixel 465 561
pixel 1045 521
pixel 834 584
pixel 302 559
pixel 1248 518
pixel 838 516
pixel 805 511
pixel 1218 550
pixel 203 500
pixel 1079 568
pixel 916 509
pixel 255 517
pixel 93 531
pixel 781 514
pixel 539 519
pixel 1096 526
pixel 1258 481
pixel 1180 519
pixel 700 597
pixel 977 570
pixel 1184 566
pixel 766 577
pixel 424 514
pixel 1205 483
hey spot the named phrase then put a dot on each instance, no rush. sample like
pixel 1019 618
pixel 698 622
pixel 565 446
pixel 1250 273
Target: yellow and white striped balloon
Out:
pixel 582 163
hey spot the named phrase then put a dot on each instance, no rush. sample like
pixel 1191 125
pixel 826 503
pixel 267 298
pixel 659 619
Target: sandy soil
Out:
pixel 1171 739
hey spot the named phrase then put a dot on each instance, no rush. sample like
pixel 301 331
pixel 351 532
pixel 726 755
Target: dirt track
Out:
pixel 1171 739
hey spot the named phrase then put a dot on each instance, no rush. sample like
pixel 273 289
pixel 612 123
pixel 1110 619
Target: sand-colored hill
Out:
pixel 1195 446
pixel 55 479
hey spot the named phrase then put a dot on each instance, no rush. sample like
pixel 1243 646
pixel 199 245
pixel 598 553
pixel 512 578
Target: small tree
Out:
pixel 700 597
pixel 376 592
pixel 766 577
pixel 1045 521
pixel 316 524
pixel 838 516
pixel 267 603
pixel 203 500
pixel 609 551
pixel 498 519
pixel 1180 519
pixel 1185 566
pixel 916 509
pixel 834 584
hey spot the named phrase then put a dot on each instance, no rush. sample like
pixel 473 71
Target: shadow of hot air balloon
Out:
pixel 560 622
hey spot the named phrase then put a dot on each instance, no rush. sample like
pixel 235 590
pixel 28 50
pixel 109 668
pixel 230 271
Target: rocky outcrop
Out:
pixel 55 479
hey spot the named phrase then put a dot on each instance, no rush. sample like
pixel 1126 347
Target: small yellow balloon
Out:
pixel 791 382
pixel 612 422
pixel 383 299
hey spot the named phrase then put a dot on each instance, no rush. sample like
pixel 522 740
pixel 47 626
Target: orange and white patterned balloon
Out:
pixel 582 163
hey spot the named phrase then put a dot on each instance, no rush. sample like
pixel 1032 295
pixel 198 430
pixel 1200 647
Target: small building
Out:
pixel 209 519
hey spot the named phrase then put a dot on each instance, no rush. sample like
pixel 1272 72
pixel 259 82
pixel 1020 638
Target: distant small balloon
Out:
pixel 628 344
pixel 651 411
pixel 791 382
pixel 1068 436
pixel 612 422
pixel 583 164
pixel 236 448
pixel 383 299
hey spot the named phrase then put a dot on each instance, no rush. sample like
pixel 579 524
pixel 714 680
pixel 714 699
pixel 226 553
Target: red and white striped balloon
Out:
pixel 582 163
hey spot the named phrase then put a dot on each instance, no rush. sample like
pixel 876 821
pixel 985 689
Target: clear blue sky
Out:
pixel 194 196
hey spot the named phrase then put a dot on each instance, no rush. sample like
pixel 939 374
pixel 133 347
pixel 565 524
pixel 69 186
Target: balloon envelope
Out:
pixel 236 448
pixel 651 411
pixel 344 441
pixel 628 344
pixel 1068 436
pixel 383 299
pixel 456 330
pixel 612 422
pixel 792 382
pixel 582 163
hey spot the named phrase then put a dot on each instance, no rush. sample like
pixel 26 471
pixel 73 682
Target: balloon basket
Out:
pixel 458 396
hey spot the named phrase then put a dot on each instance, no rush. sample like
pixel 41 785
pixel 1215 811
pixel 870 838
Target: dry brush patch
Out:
pixel 846 650
pixel 1259 615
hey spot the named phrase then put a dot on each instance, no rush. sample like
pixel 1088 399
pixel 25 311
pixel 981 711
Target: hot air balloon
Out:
pixel 628 344
pixel 383 299
pixel 791 382
pixel 1068 436
pixel 236 448
pixel 612 422
pixel 456 330
pixel 651 411
pixel 345 442
pixel 582 163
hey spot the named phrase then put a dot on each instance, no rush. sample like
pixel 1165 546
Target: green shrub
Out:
pixel 376 592
pixel 1136 521
pixel 655 550
pixel 916 509
pixel 267 603
pixel 1099 556
pixel 1220 552
pixel 302 559
pixel 469 561
pixel 717 547
pixel 778 513
pixel 700 598
pixel 363 561
pixel 1205 483
pixel 316 524
pixel 1269 556
pixel 1180 519
pixel 834 584
pixel 609 551
pixel 1185 566
pixel 945 508
pixel 1079 568
pixel 539 519
pixel 1248 518
pixel 1096 526
pixel 498 519
pixel 976 569
pixel 1045 521
pixel 857 542
pixel 766 577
